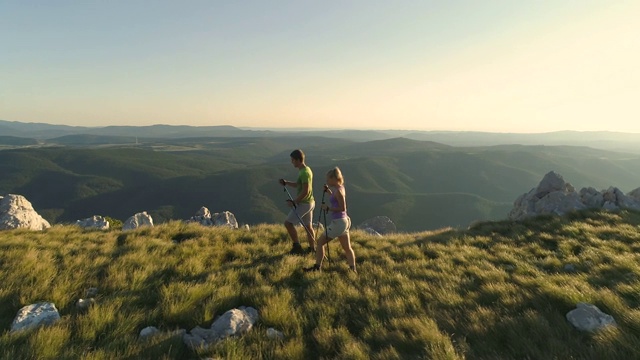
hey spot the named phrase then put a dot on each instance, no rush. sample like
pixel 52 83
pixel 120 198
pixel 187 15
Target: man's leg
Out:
pixel 293 233
pixel 306 220
pixel 296 249
pixel 311 236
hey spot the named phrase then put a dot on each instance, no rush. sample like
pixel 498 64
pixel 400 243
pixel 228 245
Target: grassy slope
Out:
pixel 496 291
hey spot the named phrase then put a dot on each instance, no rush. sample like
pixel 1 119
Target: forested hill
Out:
pixel 420 185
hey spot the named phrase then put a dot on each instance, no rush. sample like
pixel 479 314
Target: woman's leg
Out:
pixel 320 249
pixel 319 255
pixel 345 241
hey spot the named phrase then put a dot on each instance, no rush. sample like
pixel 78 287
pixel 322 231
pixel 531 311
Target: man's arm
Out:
pixel 288 183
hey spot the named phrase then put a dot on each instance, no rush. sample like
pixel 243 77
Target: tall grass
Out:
pixel 499 290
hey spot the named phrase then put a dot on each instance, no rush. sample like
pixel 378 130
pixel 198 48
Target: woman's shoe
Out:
pixel 313 268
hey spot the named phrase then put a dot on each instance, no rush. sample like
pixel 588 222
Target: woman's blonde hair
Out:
pixel 335 173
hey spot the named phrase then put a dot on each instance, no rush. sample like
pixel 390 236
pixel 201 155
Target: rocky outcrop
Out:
pixel 615 199
pixel 17 212
pixel 381 225
pixel 204 217
pixel 138 220
pixel 635 194
pixel 557 197
pixel 94 222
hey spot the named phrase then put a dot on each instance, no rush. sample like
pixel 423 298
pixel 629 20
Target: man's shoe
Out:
pixel 296 249
pixel 311 269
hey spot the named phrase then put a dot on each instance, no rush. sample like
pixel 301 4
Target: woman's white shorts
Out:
pixel 338 227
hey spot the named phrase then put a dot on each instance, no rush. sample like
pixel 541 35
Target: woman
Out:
pixel 340 222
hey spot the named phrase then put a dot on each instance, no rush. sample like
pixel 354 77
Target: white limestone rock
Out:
pixel 587 317
pixel 591 198
pixel 634 194
pixel 204 217
pixel 138 220
pixel 34 315
pixel 94 222
pixel 225 218
pixel 232 323
pixel 552 196
pixel 17 212
pixel 149 331
pixel 84 304
pixel 380 224
pixel 274 334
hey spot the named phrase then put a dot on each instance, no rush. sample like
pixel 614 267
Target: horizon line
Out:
pixel 305 129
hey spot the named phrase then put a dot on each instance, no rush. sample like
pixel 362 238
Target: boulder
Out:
pixel 152 331
pixel 34 315
pixel 558 203
pixel 634 194
pixel 94 222
pixel 552 182
pixel 84 304
pixel 225 218
pixel 591 198
pixel 204 217
pixel 203 212
pixel 274 334
pixel 622 201
pixel 371 231
pixel 92 292
pixel 610 206
pixel 380 224
pixel 231 323
pixel 17 212
pixel 587 317
pixel 138 220
pixel 149 331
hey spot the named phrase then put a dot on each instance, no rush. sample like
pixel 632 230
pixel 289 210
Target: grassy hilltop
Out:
pixel 496 291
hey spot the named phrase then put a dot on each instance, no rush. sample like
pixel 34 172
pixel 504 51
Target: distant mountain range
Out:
pixel 78 135
pixel 419 184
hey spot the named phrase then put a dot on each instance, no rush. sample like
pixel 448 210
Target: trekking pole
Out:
pixel 295 208
pixel 326 234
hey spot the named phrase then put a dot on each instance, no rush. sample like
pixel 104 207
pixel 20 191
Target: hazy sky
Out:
pixel 493 65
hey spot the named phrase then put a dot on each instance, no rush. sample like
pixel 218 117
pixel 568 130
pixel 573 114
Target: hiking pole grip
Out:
pixel 290 199
pixel 292 203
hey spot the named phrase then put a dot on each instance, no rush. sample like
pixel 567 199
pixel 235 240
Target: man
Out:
pixel 302 205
